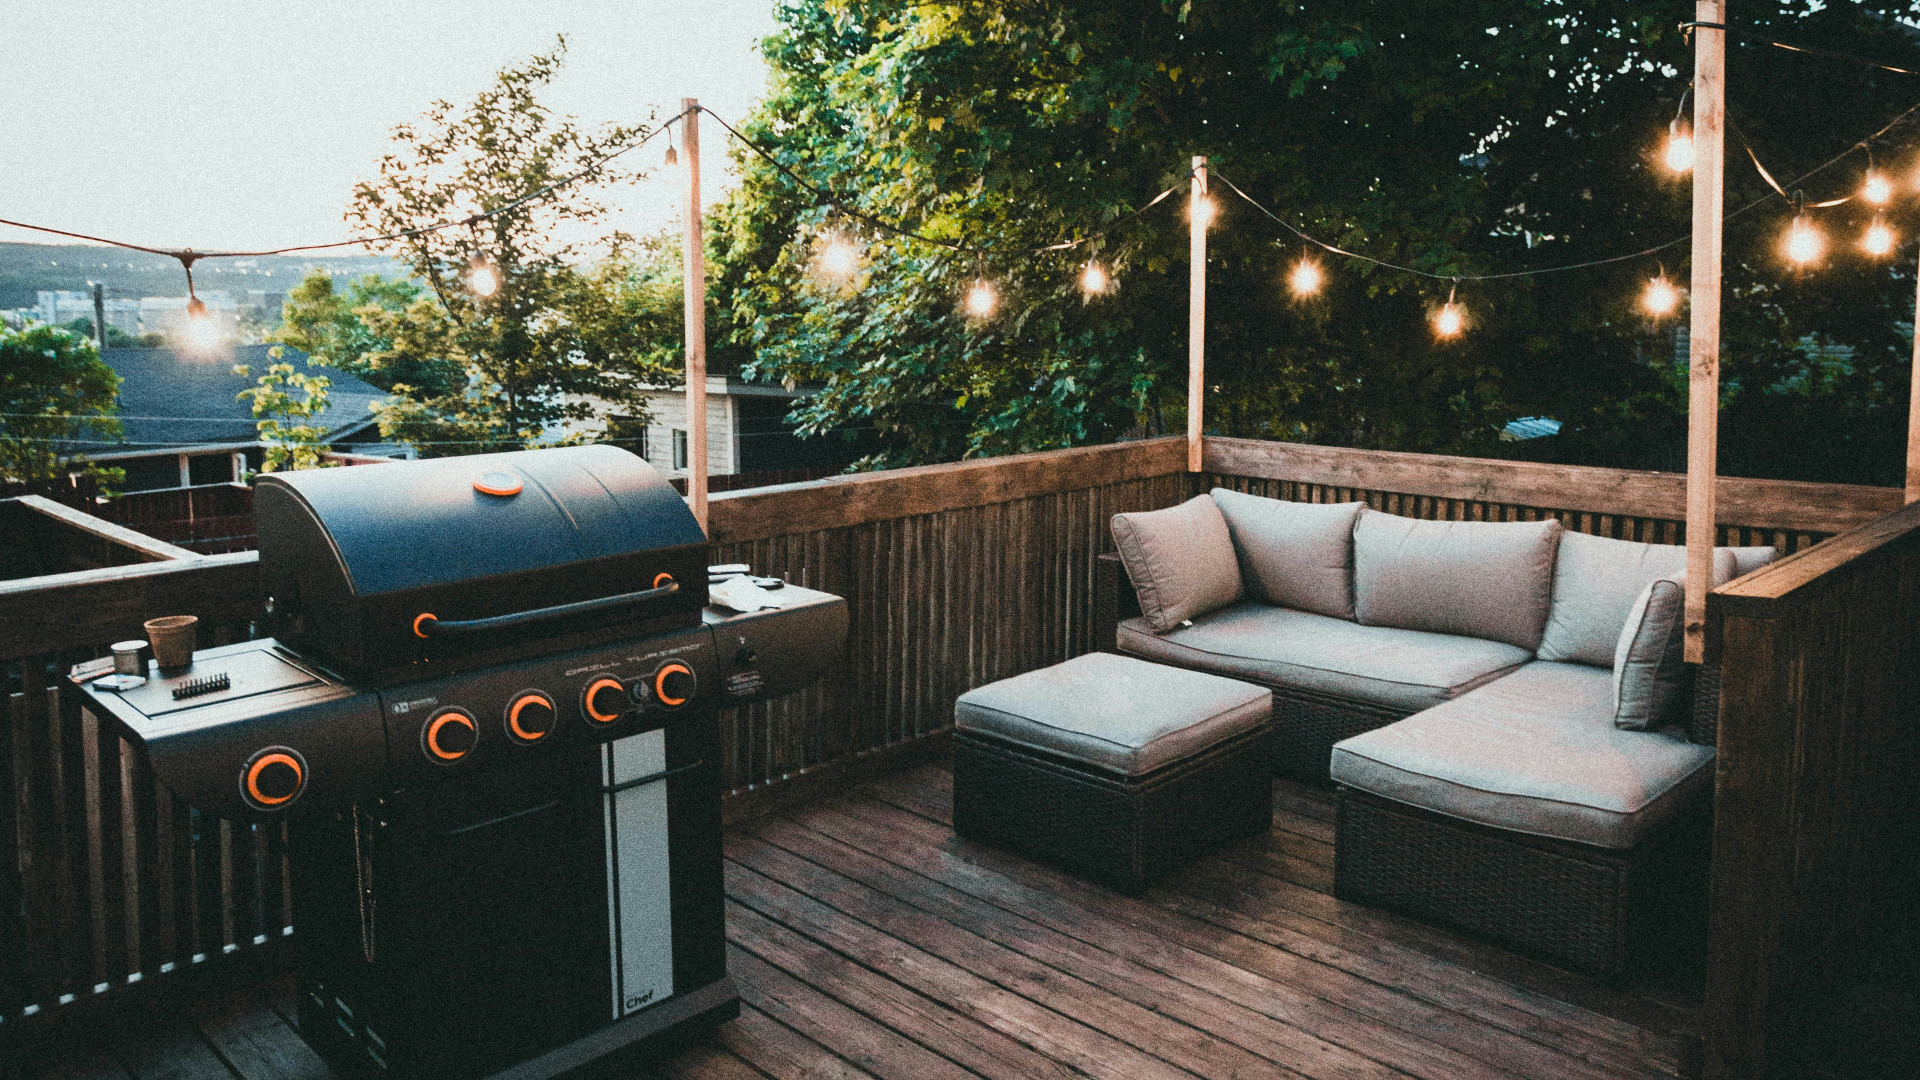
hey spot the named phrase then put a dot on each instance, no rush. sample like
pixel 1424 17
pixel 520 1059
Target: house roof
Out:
pixel 170 400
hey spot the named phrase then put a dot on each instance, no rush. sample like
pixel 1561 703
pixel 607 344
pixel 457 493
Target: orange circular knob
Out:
pixel 530 716
pixel 449 735
pixel 673 684
pixel 423 617
pixel 274 777
pixel 604 700
pixel 662 578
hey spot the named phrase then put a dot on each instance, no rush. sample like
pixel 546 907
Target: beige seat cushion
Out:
pixel 1293 554
pixel 1180 560
pixel 1533 752
pixel 1483 579
pixel 1115 712
pixel 1402 670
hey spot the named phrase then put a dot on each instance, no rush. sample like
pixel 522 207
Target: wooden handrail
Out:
pixel 118 535
pixel 89 607
pixel 1772 504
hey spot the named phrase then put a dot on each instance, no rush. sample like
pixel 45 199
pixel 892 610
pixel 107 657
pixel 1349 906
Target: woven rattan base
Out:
pixel 1601 911
pixel 1306 725
pixel 1124 833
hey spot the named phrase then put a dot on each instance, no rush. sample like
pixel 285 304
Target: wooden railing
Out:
pixel 956 575
pixel 1816 858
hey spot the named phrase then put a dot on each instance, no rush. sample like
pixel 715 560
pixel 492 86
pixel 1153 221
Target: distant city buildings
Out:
pixel 156 314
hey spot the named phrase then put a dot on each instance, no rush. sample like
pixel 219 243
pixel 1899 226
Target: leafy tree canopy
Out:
pixel 559 340
pixel 1458 137
pixel 53 388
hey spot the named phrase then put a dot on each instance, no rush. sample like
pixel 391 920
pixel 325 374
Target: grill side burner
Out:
pixel 491 721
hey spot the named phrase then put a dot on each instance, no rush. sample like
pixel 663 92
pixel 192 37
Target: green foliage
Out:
pixel 325 323
pixel 54 389
pixel 286 401
pixel 556 343
pixel 1455 136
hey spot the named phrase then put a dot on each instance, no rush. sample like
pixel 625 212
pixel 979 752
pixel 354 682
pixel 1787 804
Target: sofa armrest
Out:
pixel 1703 723
pixel 1113 601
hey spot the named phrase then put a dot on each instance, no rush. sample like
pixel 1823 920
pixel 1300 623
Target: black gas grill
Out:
pixel 489 712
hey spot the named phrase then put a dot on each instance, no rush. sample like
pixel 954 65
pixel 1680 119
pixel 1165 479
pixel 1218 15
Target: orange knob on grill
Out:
pixel 449 735
pixel 530 716
pixel 673 684
pixel 274 777
pixel 604 700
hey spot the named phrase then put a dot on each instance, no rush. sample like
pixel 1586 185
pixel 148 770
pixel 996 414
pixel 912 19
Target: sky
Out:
pixel 226 124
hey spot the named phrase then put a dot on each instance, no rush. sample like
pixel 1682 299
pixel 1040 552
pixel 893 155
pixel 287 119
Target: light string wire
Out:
pixel 1778 192
pixel 839 203
pixel 1687 28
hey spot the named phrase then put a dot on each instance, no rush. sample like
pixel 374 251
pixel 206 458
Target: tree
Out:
pixel 550 346
pixel 1454 137
pixel 54 390
pixel 286 402
pixel 326 324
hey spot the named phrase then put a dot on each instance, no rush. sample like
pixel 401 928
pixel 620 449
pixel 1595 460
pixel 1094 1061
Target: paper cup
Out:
pixel 173 638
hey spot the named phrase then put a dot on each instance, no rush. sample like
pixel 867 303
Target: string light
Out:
pixel 1660 299
pixel 1306 279
pixel 1203 211
pixel 1451 319
pixel 1679 154
pixel 1094 280
pixel 982 299
pixel 1879 238
pixel 1877 190
pixel 482 278
pixel 1804 243
pixel 839 257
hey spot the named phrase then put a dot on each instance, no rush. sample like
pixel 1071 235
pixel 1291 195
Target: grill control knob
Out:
pixel 273 778
pixel 673 684
pixel 449 735
pixel 530 716
pixel 605 700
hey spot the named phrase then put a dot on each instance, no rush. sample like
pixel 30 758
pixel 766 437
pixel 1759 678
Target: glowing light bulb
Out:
pixel 1094 280
pixel 1804 244
pixel 839 258
pixel 981 299
pixel 1203 211
pixel 483 279
pixel 1449 321
pixel 196 309
pixel 1679 155
pixel 673 156
pixel 1660 298
pixel 1306 278
pixel 1878 240
pixel 1877 190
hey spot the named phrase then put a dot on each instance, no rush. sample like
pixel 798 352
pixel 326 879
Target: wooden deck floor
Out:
pixel 868 941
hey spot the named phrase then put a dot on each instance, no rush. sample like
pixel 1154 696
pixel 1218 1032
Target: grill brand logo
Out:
pixel 401 707
pixel 636 1001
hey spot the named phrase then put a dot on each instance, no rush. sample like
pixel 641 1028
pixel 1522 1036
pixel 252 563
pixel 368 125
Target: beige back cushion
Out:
pixel 1180 560
pixel 1649 659
pixel 1484 579
pixel 1293 554
pixel 1596 580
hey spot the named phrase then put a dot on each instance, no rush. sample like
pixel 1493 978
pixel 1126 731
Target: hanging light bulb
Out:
pixel 839 257
pixel 1876 190
pixel 1306 279
pixel 673 156
pixel 1660 299
pixel 196 308
pixel 982 299
pixel 1803 243
pixel 1094 280
pixel 1879 238
pixel 1679 152
pixel 482 278
pixel 1451 319
pixel 1203 211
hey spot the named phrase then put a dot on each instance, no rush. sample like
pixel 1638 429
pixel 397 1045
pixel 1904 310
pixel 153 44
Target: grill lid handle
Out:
pixel 427 625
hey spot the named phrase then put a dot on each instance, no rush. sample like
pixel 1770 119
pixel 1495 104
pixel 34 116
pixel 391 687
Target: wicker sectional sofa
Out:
pixel 1519 749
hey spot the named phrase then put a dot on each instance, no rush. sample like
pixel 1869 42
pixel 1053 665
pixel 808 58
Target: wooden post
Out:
pixel 1913 406
pixel 696 282
pixel 1703 360
pixel 1197 213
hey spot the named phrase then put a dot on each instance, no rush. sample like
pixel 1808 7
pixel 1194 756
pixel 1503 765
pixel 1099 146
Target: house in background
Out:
pixel 747 431
pixel 183 424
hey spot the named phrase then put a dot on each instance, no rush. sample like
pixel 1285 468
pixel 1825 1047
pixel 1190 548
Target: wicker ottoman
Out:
pixel 1114 768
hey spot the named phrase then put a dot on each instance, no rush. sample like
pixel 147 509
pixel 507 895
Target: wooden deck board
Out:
pixel 870 943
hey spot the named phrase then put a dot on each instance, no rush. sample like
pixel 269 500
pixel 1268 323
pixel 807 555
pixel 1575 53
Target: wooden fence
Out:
pixel 956 575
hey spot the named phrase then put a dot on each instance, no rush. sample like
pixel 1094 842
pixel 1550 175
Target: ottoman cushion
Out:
pixel 1115 713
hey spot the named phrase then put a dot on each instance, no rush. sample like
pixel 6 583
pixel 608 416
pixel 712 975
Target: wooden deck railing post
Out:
pixel 1703 361
pixel 1199 210
pixel 694 258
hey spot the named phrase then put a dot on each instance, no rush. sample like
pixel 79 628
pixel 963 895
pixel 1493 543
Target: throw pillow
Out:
pixel 1649 661
pixel 1180 560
